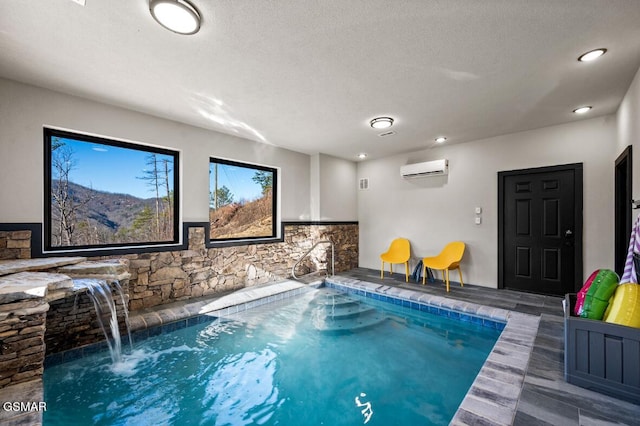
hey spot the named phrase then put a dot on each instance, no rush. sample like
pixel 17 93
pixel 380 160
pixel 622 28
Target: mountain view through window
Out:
pixel 103 193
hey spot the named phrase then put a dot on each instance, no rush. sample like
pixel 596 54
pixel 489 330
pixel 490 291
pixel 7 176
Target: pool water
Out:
pixel 320 358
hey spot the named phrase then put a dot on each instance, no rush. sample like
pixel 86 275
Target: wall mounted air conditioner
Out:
pixel 426 169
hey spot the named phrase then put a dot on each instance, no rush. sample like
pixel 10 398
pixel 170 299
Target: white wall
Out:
pixel 333 189
pixel 337 189
pixel 434 211
pixel 314 186
pixel 628 120
pixel 24 110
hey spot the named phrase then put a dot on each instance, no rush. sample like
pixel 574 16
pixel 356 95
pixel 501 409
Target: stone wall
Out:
pixel 43 310
pixel 72 322
pixel 15 244
pixel 22 327
pixel 164 277
pixel 167 276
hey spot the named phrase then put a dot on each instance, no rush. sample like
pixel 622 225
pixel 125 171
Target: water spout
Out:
pixel 99 291
pixel 126 312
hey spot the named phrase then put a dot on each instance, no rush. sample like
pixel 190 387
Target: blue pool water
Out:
pixel 321 358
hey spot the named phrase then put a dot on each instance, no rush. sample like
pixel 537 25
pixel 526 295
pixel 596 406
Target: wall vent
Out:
pixel 364 183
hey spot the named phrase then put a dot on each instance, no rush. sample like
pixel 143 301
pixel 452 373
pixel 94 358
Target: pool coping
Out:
pixel 493 397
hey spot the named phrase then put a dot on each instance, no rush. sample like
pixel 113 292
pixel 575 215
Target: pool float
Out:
pixel 583 292
pixel 625 308
pixel 599 293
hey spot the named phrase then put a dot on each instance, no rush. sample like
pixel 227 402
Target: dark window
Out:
pixel 242 201
pixel 102 193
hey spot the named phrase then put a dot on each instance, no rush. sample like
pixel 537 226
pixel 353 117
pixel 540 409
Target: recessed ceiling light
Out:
pixel 381 122
pixel 362 156
pixel 441 139
pixel 582 110
pixel 592 55
pixel 178 16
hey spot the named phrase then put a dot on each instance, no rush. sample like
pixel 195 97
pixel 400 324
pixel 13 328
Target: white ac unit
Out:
pixel 428 168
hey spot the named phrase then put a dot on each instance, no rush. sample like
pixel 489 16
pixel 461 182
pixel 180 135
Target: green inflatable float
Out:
pixel 597 298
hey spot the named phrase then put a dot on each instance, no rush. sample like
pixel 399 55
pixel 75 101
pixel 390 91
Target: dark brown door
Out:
pixel 540 222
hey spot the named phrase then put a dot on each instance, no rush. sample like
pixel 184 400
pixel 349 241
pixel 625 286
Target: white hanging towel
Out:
pixel 630 274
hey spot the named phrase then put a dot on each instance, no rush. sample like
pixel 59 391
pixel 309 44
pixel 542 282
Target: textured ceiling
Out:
pixel 309 75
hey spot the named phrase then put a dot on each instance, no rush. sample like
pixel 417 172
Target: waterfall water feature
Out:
pixel 125 310
pixel 99 291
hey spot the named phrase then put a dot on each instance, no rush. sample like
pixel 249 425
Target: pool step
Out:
pixel 341 311
pixel 335 312
pixel 324 299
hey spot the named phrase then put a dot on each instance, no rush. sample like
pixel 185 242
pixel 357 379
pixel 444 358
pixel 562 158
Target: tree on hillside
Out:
pixel 265 180
pixel 64 207
pixel 168 199
pixel 222 197
pixel 157 177
pixel 143 222
pixel 152 176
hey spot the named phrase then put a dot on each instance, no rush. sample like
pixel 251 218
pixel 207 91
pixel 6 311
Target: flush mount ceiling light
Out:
pixel 381 122
pixel 441 139
pixel 582 110
pixel 362 156
pixel 592 55
pixel 178 16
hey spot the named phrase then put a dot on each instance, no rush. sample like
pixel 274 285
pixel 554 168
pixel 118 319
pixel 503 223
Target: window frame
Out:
pixel 275 219
pixel 47 228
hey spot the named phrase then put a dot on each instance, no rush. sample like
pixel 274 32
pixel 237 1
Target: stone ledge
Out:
pixel 115 269
pixel 31 285
pixel 14 266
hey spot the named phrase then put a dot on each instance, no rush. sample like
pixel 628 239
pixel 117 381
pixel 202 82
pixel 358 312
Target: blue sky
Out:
pixel 238 180
pixel 118 170
pixel 112 169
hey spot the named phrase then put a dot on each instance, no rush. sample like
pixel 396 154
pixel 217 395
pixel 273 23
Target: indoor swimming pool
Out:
pixel 320 358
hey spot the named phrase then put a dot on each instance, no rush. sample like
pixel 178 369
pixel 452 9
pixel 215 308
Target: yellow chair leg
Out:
pixel 391 269
pixel 382 271
pixel 447 281
pixel 460 272
pixel 406 271
pixel 424 273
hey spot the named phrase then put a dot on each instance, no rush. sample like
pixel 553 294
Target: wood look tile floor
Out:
pixel 546 398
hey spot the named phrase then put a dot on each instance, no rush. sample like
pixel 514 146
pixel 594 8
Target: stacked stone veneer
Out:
pixel 23 313
pixel 15 244
pixel 153 279
pixel 43 310
pixel 22 327
pixel 72 321
pixel 164 277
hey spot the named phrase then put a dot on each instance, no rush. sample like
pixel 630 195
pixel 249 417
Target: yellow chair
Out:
pixel 448 259
pixel 399 252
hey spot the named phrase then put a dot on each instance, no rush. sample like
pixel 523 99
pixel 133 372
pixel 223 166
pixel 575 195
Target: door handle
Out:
pixel 568 236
